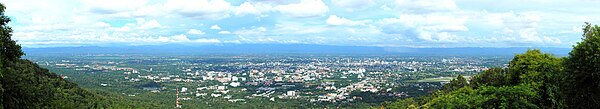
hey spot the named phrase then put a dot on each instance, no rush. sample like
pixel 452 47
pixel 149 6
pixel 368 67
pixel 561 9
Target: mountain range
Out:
pixel 258 49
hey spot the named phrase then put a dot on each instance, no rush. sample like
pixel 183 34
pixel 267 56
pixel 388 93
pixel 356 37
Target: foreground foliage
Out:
pixel 532 80
pixel 27 85
pixel 583 66
pixel 23 84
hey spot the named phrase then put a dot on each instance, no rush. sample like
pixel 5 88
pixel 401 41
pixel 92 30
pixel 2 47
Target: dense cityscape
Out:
pixel 334 81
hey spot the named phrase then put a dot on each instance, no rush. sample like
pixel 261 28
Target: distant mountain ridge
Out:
pixel 174 49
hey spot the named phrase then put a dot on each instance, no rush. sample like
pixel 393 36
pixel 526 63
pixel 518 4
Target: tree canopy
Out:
pixel 532 80
pixel 9 49
pixel 454 84
pixel 583 67
pixel 23 84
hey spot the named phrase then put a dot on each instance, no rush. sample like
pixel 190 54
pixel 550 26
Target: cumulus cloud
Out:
pixel 252 9
pixel 121 9
pixel 263 29
pixel 224 32
pixel 101 24
pixel 113 6
pixel 518 27
pixel 430 27
pixel 215 27
pixel 420 23
pixel 207 41
pixel 385 7
pixel 335 20
pixel 181 38
pixel 152 24
pixel 251 32
pixel 246 8
pixel 195 32
pixel 422 6
pixel 205 9
pixel 104 38
pixel 351 5
pixel 287 28
pixel 305 8
pixel 434 22
pixel 121 29
pixel 176 38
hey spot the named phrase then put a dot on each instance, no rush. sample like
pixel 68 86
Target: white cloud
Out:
pixel 140 24
pixel 210 9
pixel 149 24
pixel 179 38
pixel 155 10
pixel 287 28
pixel 422 23
pixel 335 20
pixel 351 5
pixel 428 27
pixel 260 31
pixel 224 32
pixel 246 8
pixel 29 35
pixel 385 7
pixel 122 29
pixel 306 8
pixel 207 40
pixel 113 6
pixel 432 22
pixel 79 39
pixel 517 27
pixel 215 27
pixel 263 29
pixel 523 20
pixel 195 32
pixel 101 24
pixel 438 37
pixel 254 9
pixel 420 6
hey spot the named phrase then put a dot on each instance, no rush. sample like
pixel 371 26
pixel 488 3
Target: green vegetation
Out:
pixel 24 84
pixel 455 84
pixel 437 79
pixel 583 71
pixel 532 80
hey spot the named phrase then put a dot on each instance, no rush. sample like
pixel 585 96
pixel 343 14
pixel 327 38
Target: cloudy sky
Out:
pixel 387 23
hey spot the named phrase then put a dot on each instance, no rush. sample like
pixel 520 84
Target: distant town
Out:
pixel 316 80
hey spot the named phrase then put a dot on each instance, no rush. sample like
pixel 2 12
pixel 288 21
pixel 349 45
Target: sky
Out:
pixel 382 23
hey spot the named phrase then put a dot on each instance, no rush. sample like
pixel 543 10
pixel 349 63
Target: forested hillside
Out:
pixel 24 84
pixel 532 80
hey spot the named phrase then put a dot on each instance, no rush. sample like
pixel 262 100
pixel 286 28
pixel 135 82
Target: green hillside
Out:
pixel 532 80
pixel 26 85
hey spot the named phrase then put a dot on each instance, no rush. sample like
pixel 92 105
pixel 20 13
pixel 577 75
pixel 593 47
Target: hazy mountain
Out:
pixel 174 49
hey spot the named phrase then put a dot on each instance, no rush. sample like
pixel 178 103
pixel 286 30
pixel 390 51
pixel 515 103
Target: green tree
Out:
pixel 491 77
pixel 532 67
pixel 24 84
pixel 454 84
pixel 532 80
pixel 486 97
pixel 543 72
pixel 9 49
pixel 408 103
pixel 583 67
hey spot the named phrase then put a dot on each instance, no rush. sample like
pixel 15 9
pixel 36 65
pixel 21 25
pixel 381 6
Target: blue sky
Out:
pixel 384 23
